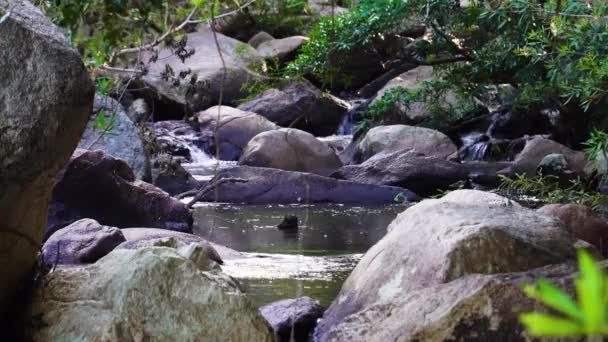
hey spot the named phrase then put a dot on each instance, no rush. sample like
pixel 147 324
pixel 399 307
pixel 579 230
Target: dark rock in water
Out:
pixel 486 174
pixel 290 222
pixel 83 242
pixel 583 222
pixel 98 186
pixel 293 320
pixel 421 174
pixel 300 105
pixel 169 175
pixel 46 97
pixel 264 186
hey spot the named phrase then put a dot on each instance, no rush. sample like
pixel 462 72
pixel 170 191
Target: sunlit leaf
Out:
pixel 540 324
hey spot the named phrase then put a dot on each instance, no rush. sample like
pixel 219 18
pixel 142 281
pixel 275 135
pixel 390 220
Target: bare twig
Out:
pixel 213 185
pixel 220 100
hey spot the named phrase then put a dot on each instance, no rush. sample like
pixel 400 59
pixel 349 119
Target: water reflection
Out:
pixel 324 229
pixel 313 261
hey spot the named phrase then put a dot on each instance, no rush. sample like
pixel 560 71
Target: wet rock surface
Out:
pixel 293 319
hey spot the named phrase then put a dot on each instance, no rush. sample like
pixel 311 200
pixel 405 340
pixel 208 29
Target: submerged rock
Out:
pixel 292 150
pixel 299 104
pixel 122 141
pixel 83 242
pixel 293 320
pixel 46 97
pixel 265 186
pixel 437 242
pixel 98 186
pixel 402 138
pixel 152 293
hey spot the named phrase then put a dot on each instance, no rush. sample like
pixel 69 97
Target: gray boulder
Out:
pixel 46 97
pixel 402 138
pixel 292 150
pixel 202 72
pixel 419 173
pixel 153 293
pixel 83 242
pixel 283 49
pixel 259 38
pixel 264 186
pixel 299 104
pixel 473 308
pixel 538 148
pixel 236 128
pixel 122 141
pixel 293 319
pixel 442 240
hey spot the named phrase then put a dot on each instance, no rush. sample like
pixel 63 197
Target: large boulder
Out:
pixel 83 242
pixel 236 128
pixel 441 240
pixel 293 319
pixel 292 150
pixel 404 138
pixel 98 186
pixel 421 174
pixel 203 71
pixel 583 222
pixel 538 148
pixel 473 308
pixel 281 49
pixel 264 186
pixel 301 105
pixel 46 97
pixel 413 80
pixel 154 293
pixel 122 141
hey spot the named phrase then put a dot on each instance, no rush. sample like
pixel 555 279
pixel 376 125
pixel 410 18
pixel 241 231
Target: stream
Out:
pixel 313 261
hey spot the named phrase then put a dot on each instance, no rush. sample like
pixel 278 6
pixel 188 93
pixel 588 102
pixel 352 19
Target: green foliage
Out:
pixel 596 148
pixel 334 39
pixel 586 317
pixel 547 189
pixel 281 18
pixel 102 124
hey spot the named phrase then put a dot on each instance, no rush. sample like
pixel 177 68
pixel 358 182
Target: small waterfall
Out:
pixel 181 140
pixel 475 147
pixel 349 120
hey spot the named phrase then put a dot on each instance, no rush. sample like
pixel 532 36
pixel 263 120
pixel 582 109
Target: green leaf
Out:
pixel 100 121
pixel 540 324
pixel 554 298
pixel 590 292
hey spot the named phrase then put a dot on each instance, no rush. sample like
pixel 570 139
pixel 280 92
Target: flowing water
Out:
pixel 312 261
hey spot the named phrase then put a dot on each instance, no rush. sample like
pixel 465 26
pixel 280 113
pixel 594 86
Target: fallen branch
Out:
pixel 200 193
